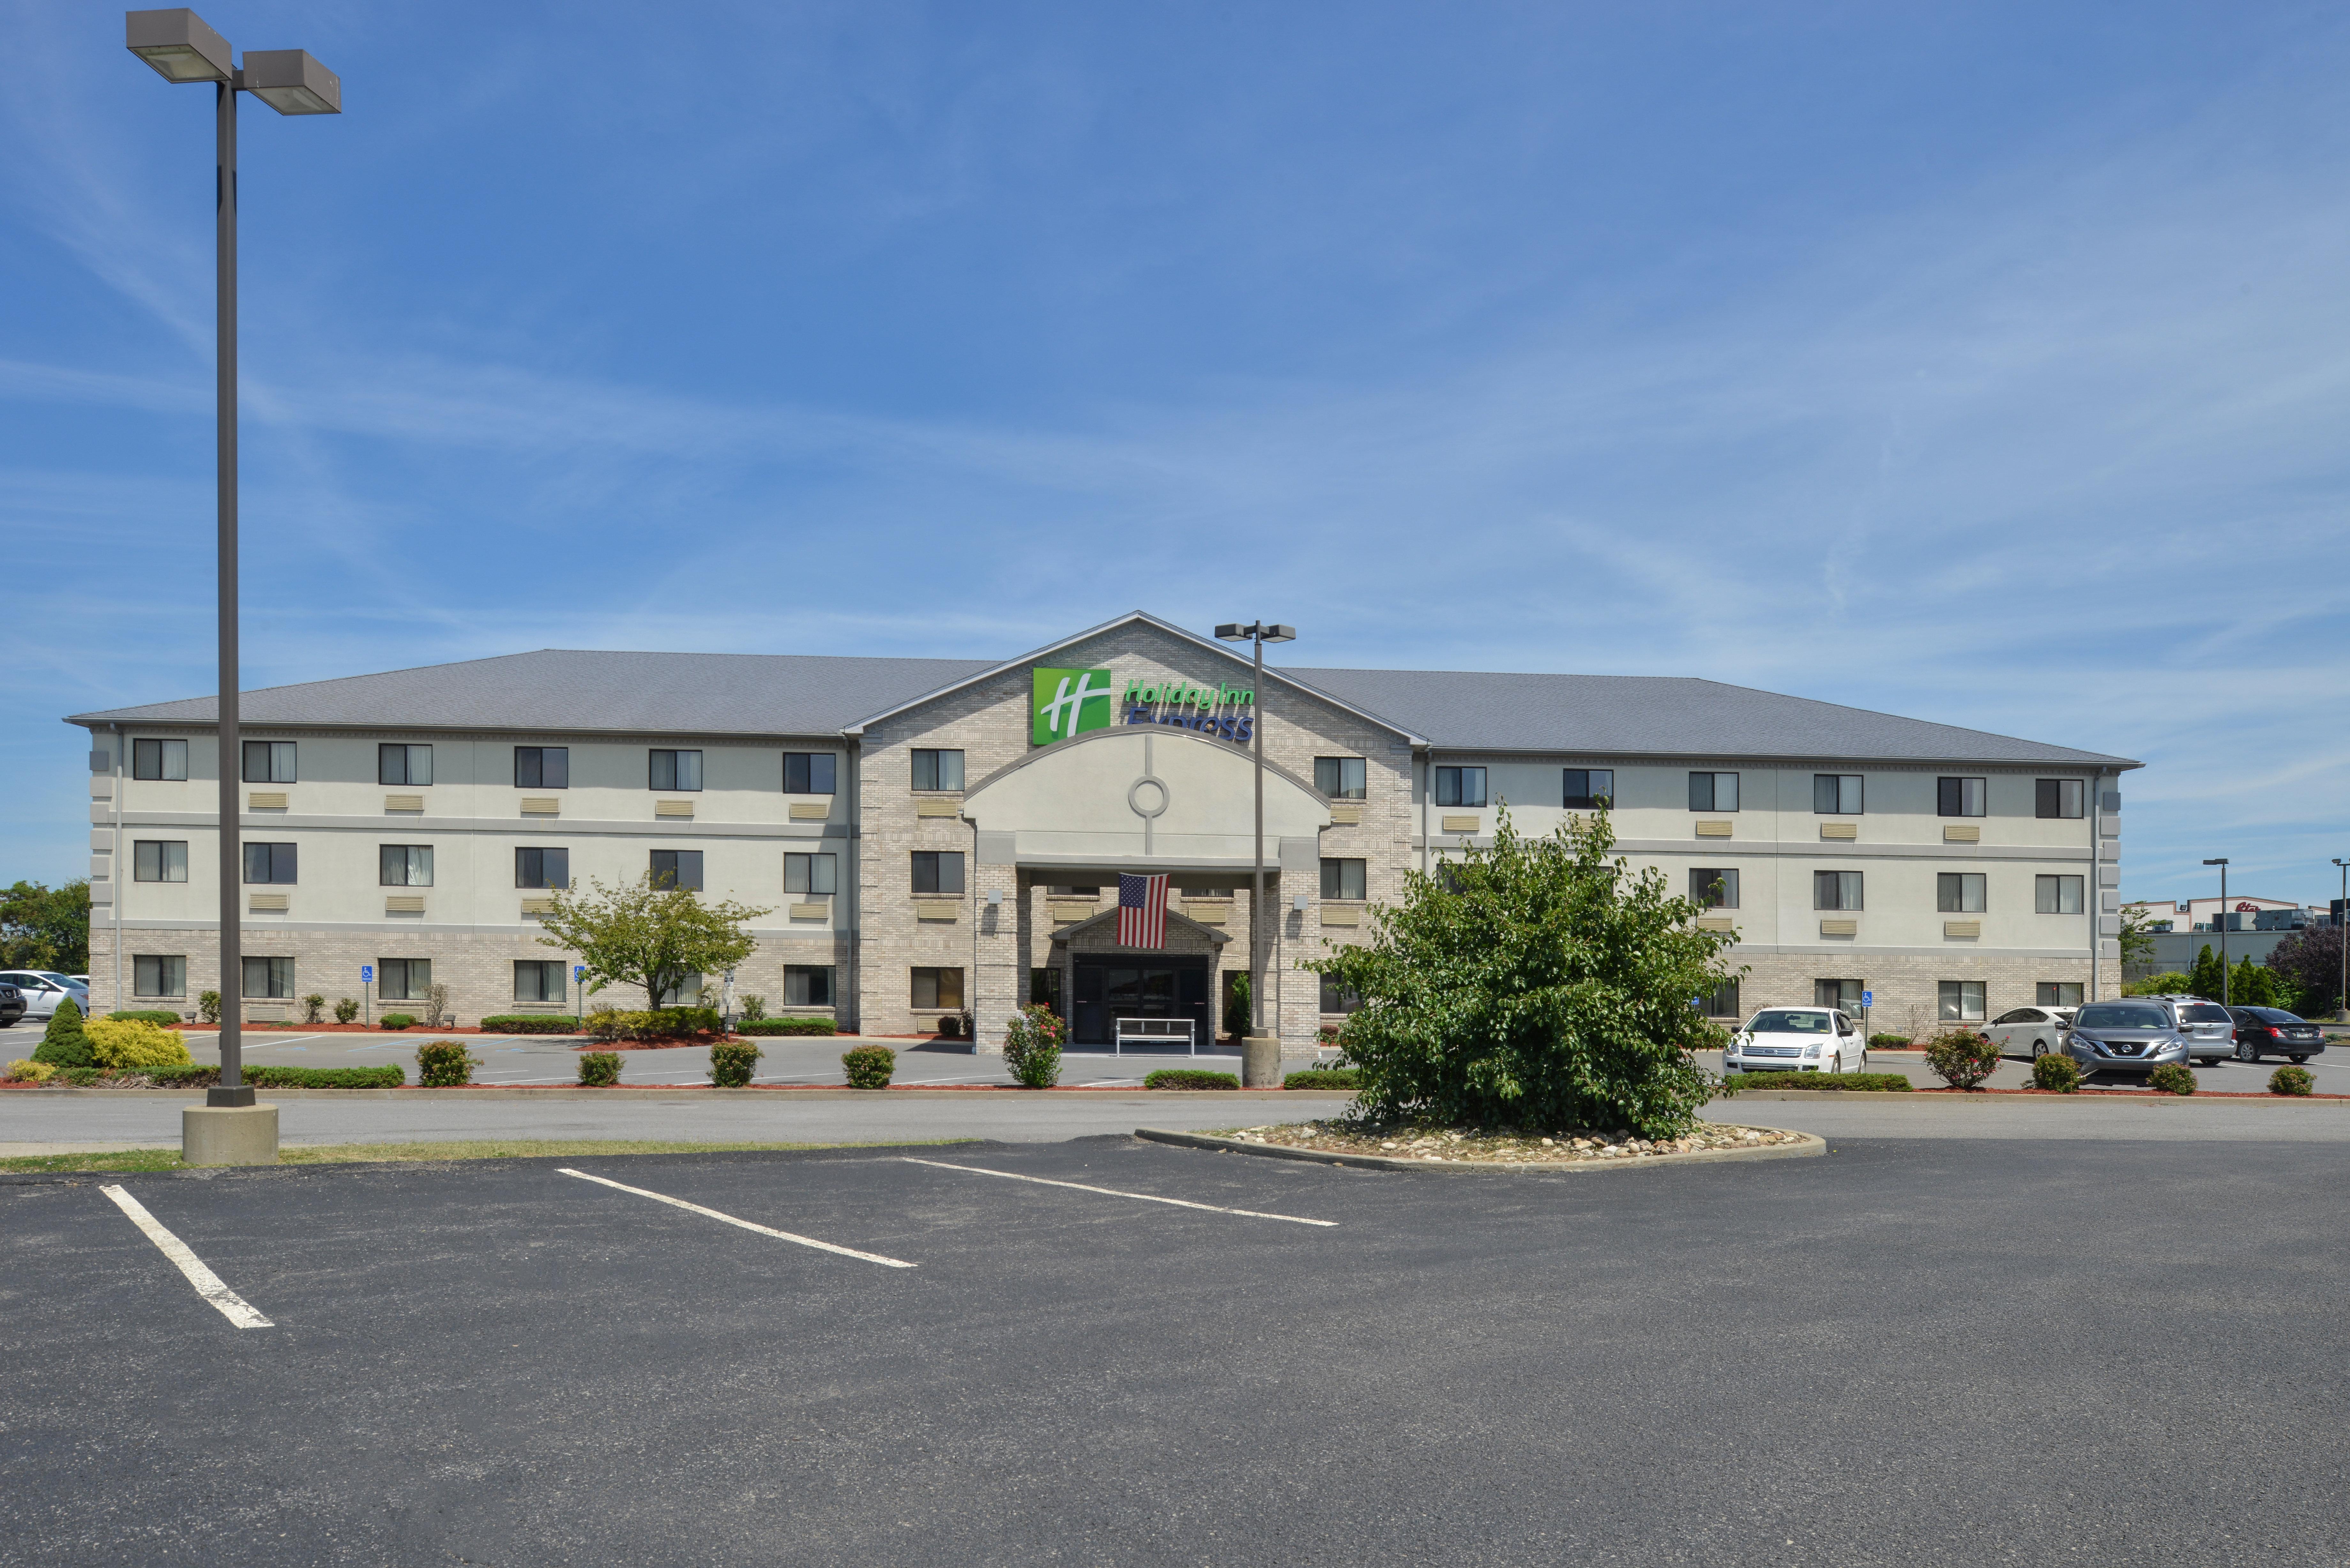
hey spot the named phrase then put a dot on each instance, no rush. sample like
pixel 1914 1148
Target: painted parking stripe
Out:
pixel 745 1224
pixel 1113 1193
pixel 208 1284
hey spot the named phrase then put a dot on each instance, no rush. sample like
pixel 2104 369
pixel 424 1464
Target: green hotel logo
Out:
pixel 1070 702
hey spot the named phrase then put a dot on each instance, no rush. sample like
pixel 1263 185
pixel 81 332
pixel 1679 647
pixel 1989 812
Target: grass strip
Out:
pixel 134 1159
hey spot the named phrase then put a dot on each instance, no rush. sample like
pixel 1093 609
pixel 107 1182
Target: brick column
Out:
pixel 996 985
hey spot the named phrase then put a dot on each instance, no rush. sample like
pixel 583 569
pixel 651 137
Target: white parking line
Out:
pixel 745 1224
pixel 1113 1192
pixel 231 1306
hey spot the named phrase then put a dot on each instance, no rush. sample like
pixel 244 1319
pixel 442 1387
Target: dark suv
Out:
pixel 2273 1032
pixel 12 1005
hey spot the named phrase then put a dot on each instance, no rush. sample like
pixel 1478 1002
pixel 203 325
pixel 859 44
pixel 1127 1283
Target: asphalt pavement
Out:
pixel 1916 1352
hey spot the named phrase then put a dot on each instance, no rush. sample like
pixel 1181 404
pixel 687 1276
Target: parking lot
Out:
pixel 1949 1351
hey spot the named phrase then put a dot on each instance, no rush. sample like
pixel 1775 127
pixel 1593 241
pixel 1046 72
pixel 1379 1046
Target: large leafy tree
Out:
pixel 2206 982
pixel 1537 984
pixel 657 936
pixel 2310 964
pixel 46 927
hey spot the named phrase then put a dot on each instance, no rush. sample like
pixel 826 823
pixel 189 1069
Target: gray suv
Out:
pixel 2211 1032
pixel 2136 1034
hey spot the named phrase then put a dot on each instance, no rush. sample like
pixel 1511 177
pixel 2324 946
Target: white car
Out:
pixel 1797 1040
pixel 2032 1032
pixel 43 990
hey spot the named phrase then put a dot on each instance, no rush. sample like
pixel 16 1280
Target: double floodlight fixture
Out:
pixel 1257 631
pixel 181 48
pixel 2223 860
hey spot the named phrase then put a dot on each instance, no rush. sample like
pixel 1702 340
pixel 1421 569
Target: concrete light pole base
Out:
pixel 1261 1062
pixel 229 1134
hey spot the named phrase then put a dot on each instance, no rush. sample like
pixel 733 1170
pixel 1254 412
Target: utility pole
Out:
pixel 1256 1070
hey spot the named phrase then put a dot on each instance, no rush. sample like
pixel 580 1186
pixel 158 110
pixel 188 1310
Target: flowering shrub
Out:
pixel 444 1064
pixel 1962 1058
pixel 1032 1047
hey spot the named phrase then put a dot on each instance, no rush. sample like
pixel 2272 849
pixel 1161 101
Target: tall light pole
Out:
pixel 2224 980
pixel 1257 1073
pixel 2342 939
pixel 181 48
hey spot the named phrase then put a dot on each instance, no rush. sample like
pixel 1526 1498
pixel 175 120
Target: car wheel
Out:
pixel 2245 1051
pixel 2039 1049
pixel 2297 1060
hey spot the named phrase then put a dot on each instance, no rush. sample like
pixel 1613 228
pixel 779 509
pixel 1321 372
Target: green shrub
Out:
pixel 599 1069
pixel 1962 1058
pixel 1032 1047
pixel 444 1063
pixel 1324 1078
pixel 1892 1082
pixel 754 1008
pixel 1189 1078
pixel 530 1023
pixel 399 1021
pixel 870 1066
pixel 2171 983
pixel 656 1023
pixel 122 1043
pixel 2171 1078
pixel 21 1072
pixel 208 1006
pixel 1889 1042
pixel 2291 1080
pixel 77 1077
pixel 347 1011
pixel 63 1044
pixel 788 1027
pixel 148 1015
pixel 197 1075
pixel 669 1022
pixel 314 1008
pixel 2056 1071
pixel 731 1061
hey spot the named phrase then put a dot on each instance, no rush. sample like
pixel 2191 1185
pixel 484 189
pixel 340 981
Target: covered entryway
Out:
pixel 1110 987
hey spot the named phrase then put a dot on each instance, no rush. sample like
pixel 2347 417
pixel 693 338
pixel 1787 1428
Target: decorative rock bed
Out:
pixel 1453 1145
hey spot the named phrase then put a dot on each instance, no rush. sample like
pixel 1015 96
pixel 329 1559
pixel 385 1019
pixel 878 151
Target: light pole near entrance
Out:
pixel 181 48
pixel 2342 939
pixel 1258 1073
pixel 2225 982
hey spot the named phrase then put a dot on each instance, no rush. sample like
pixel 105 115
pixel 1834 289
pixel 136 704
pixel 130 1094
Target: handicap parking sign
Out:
pixel 367 973
pixel 1866 997
pixel 579 972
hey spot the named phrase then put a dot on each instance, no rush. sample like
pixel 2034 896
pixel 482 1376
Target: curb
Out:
pixel 2028 1096
pixel 1811 1145
pixel 676 1092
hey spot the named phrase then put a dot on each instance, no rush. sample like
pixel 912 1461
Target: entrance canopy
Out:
pixel 1143 798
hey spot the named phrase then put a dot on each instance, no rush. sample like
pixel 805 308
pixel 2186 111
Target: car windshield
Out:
pixel 2204 1013
pixel 2123 1015
pixel 1781 1021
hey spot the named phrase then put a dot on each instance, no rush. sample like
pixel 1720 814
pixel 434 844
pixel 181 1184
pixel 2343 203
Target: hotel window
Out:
pixel 1338 998
pixel 271 979
pixel 1079 890
pixel 159 860
pixel 1461 786
pixel 269 762
pixel 1843 995
pixel 811 874
pixel 937 871
pixel 1959 892
pixel 679 770
pixel 2057 797
pixel 1835 889
pixel 158 759
pixel 542 767
pixel 937 770
pixel 1340 778
pixel 1959 797
pixel 269 862
pixel 158 974
pixel 540 868
pixel 1590 789
pixel 1448 875
pixel 2057 895
pixel 1714 792
pixel 1723 1002
pixel 1959 1000
pixel 936 988
pixel 411 765
pixel 539 979
pixel 1836 795
pixel 807 985
pixel 2057 994
pixel 676 868
pixel 810 772
pixel 404 864
pixel 403 980
pixel 1344 879
pixel 1714 886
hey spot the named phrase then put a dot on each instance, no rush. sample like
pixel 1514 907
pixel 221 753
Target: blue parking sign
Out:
pixel 579 972
pixel 367 973
pixel 1867 997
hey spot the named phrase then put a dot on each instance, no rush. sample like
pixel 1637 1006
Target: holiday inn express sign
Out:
pixel 1069 703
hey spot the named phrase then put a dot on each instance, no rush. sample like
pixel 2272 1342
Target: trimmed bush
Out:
pixel 30 1071
pixel 2057 1072
pixel 444 1064
pixel 754 1008
pixel 786 1026
pixel 147 1015
pixel 313 1009
pixel 599 1069
pixel 63 1044
pixel 1873 1083
pixel 122 1043
pixel 389 1075
pixel 870 1066
pixel 656 1023
pixel 397 1020
pixel 208 1006
pixel 1189 1078
pixel 731 1061
pixel 530 1023
pixel 2170 1078
pixel 1962 1058
pixel 2284 1080
pixel 1889 1042
pixel 1324 1078
pixel 347 1011
pixel 1031 1047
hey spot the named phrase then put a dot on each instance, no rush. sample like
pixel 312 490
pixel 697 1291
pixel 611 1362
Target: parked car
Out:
pixel 2211 1032
pixel 2032 1032
pixel 2273 1032
pixel 1797 1040
pixel 2136 1034
pixel 43 992
pixel 12 1004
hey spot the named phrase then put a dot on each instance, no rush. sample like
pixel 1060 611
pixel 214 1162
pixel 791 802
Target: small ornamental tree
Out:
pixel 2208 980
pixel 655 936
pixel 63 1044
pixel 1538 984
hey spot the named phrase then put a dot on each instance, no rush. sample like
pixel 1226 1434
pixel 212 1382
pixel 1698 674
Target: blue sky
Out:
pixel 1985 364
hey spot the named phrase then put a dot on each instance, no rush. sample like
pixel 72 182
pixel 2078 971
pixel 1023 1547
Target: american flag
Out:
pixel 1142 911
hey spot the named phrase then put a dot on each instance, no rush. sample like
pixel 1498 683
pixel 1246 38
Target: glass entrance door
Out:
pixel 1109 989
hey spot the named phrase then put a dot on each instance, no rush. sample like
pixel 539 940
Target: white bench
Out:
pixel 1154 1031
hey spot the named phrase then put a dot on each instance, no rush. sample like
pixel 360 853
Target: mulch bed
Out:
pixel 1454 1144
